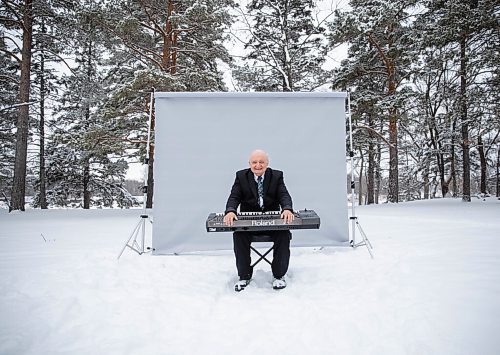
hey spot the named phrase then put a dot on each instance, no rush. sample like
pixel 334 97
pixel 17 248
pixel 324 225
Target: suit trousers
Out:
pixel 281 252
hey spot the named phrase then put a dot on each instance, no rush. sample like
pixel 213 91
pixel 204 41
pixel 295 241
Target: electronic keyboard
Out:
pixel 263 221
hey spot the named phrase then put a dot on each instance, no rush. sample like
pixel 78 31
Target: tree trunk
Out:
pixel 86 181
pixel 482 160
pixel 498 170
pixel 370 175
pixel 409 189
pixel 370 178
pixel 426 179
pixel 19 183
pixel 393 194
pixel 287 80
pixel 436 145
pixel 466 192
pixel 453 170
pixel 169 55
pixel 433 188
pixel 86 163
pixel 43 194
pixel 378 178
pixel 360 180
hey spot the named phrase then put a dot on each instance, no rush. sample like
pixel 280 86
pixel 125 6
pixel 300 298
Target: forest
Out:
pixel 76 77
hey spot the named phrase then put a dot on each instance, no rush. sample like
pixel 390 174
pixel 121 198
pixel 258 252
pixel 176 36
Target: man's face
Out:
pixel 258 163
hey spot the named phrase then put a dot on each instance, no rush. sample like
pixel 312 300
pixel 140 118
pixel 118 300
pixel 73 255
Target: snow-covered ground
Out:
pixel 432 288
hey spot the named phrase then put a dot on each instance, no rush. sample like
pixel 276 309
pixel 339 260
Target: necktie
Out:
pixel 260 190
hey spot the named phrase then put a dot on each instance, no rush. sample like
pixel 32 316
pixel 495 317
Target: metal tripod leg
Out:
pixel 138 231
pixel 364 240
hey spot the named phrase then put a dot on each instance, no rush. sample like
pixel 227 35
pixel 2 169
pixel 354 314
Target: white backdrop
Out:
pixel 202 139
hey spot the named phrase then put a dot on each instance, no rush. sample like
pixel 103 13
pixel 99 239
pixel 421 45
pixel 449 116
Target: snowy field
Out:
pixel 432 288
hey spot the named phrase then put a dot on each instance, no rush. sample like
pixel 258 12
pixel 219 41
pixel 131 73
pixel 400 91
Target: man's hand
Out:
pixel 288 216
pixel 230 218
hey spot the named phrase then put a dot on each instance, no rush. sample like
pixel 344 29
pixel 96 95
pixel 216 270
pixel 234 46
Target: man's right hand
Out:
pixel 230 218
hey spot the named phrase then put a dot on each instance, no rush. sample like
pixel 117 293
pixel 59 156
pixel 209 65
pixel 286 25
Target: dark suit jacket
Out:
pixel 244 193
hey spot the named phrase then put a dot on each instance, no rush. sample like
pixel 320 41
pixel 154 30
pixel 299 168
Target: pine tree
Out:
pixel 169 45
pixel 433 118
pixel 467 29
pixel 183 39
pixel 19 18
pixel 285 47
pixel 9 81
pixel 49 27
pixel 381 49
pixel 83 157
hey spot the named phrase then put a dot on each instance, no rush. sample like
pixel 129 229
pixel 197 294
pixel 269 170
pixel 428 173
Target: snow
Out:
pixel 433 287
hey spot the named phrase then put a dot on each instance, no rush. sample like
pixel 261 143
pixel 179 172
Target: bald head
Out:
pixel 258 153
pixel 258 162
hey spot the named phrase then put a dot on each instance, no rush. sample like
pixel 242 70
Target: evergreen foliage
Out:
pixel 83 151
pixel 382 51
pixel 76 80
pixel 438 56
pixel 167 45
pixel 286 48
pixel 9 80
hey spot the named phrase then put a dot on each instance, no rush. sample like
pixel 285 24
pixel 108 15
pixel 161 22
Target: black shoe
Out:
pixel 240 285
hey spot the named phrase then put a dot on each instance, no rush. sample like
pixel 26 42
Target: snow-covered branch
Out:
pixel 18 105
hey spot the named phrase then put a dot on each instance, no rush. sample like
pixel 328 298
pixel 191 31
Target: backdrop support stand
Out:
pixel 353 218
pixel 137 238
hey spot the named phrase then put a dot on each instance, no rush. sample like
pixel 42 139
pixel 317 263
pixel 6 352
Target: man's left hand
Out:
pixel 288 216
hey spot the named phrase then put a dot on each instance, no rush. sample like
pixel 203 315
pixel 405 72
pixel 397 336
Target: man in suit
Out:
pixel 260 189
